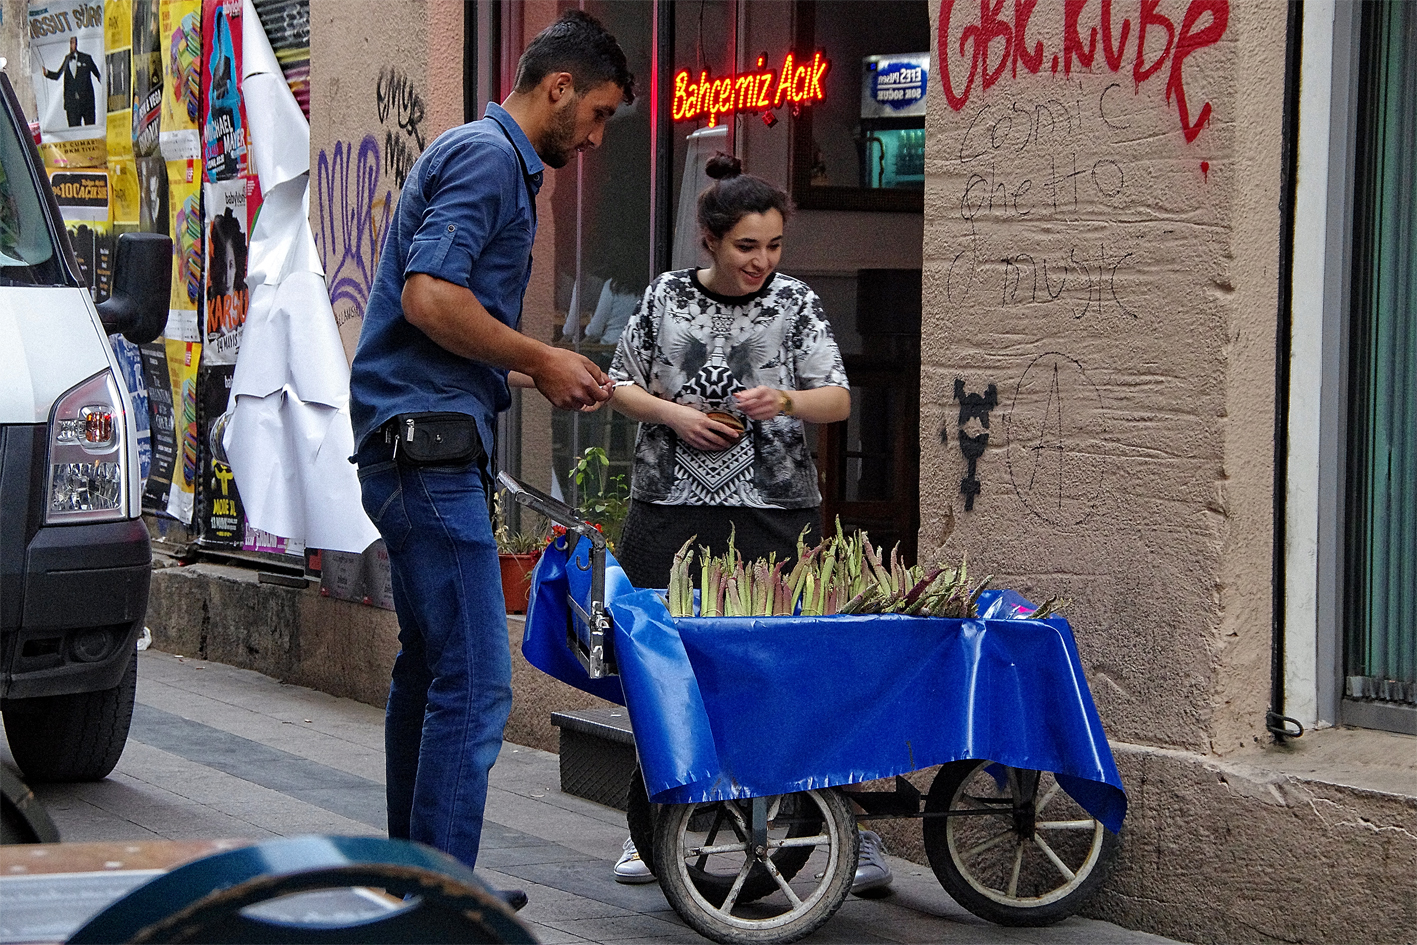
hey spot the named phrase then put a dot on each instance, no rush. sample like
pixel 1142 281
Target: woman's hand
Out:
pixel 761 403
pixel 699 430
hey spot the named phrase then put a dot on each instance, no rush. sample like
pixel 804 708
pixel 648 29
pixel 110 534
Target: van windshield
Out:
pixel 27 253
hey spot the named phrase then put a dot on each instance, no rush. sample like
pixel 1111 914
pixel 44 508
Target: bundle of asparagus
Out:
pixel 844 574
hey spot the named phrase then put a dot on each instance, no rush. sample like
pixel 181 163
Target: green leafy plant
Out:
pixel 605 499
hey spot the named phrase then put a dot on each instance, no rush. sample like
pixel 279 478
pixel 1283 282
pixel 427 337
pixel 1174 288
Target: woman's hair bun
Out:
pixel 723 166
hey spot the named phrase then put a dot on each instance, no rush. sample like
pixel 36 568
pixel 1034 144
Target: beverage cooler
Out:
pixel 890 141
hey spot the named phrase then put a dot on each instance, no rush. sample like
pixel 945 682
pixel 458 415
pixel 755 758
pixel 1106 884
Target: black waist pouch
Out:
pixel 435 439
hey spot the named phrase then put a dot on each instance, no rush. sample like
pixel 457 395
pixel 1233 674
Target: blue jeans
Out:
pixel 452 680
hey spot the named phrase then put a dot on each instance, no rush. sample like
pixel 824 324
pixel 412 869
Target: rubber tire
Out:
pixel 640 814
pixel 669 828
pixel 77 737
pixel 937 850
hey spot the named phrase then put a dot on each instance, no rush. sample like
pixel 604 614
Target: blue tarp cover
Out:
pixel 740 707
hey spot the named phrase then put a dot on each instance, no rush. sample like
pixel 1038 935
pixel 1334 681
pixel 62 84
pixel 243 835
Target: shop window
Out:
pixel 601 217
pixel 862 147
pixel 1380 626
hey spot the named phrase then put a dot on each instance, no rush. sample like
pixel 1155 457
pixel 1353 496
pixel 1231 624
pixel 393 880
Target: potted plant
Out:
pixel 605 500
pixel 516 553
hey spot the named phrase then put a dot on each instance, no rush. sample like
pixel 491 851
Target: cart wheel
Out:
pixel 640 814
pixel 1031 856
pixel 706 862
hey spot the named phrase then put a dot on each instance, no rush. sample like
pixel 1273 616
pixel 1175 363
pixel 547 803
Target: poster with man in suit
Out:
pixel 70 85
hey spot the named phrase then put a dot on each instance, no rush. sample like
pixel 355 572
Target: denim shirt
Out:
pixel 466 215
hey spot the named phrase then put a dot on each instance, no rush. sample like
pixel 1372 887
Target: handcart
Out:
pixel 751 732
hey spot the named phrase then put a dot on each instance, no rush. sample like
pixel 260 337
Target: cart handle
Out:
pixel 593 651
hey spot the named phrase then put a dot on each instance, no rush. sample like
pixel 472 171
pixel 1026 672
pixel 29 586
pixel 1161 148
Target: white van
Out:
pixel 74 557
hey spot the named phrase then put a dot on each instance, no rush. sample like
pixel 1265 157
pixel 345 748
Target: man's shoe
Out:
pixel 630 868
pixel 873 874
pixel 514 898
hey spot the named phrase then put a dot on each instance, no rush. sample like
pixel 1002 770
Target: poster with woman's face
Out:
pixel 227 297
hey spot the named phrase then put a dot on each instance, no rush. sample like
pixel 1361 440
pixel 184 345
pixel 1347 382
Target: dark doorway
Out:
pixel 870 463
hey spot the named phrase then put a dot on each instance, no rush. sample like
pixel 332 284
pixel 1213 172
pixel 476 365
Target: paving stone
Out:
pixel 220 752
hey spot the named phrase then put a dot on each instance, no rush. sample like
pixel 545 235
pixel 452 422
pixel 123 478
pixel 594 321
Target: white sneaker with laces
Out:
pixel 630 868
pixel 872 871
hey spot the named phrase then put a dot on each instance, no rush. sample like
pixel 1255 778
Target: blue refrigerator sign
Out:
pixel 894 86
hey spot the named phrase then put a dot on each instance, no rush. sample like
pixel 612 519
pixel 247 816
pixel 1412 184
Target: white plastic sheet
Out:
pixel 290 435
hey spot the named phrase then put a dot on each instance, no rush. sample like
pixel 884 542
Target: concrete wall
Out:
pixel 1111 271
pixel 1101 245
pixel 15 49
pixel 385 80
pixel 222 613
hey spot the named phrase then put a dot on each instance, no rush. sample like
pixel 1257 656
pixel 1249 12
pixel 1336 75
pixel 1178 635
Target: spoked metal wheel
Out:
pixel 1017 849
pixel 706 858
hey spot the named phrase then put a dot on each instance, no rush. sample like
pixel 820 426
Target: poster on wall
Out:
pixel 185 201
pixel 183 358
pixel 122 172
pixel 223 118
pixel 147 79
pixel 130 363
pixel 227 297
pixel 222 523
pixel 70 91
pixel 163 426
pixel 180 26
pixel 82 196
pixel 153 196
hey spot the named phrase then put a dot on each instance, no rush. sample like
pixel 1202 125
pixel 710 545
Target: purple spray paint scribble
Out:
pixel 354 206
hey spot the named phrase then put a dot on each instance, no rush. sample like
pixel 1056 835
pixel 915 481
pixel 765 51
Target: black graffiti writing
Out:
pixel 396 97
pixel 1018 125
pixel 1091 277
pixel 1058 191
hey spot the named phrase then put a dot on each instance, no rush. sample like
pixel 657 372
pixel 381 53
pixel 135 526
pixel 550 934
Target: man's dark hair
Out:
pixel 576 43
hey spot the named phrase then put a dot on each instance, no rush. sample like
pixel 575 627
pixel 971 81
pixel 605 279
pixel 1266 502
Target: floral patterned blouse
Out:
pixel 695 347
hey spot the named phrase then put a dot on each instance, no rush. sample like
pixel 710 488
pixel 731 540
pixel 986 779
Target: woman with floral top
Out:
pixel 722 367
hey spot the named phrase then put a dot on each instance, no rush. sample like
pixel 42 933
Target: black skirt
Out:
pixel 653 534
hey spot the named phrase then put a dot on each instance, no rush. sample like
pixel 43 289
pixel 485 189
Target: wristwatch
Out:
pixel 786 403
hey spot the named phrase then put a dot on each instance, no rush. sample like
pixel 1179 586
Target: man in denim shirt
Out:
pixel 440 335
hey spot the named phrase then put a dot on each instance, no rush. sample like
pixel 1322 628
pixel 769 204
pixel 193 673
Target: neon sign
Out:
pixel 798 83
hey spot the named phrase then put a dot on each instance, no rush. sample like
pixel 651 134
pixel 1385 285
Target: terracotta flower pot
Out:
pixel 516 579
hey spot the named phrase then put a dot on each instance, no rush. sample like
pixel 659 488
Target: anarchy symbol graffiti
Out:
pixel 1055 454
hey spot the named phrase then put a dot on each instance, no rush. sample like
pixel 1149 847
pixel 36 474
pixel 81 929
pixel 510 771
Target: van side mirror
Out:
pixel 142 286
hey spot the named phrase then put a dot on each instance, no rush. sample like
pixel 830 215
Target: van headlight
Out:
pixel 88 471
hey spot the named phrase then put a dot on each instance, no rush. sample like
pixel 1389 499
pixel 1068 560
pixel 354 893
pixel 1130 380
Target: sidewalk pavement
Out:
pixel 222 752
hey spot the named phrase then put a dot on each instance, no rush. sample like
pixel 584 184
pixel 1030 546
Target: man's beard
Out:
pixel 558 144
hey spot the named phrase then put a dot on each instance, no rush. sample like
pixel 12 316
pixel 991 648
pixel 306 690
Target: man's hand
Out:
pixel 570 381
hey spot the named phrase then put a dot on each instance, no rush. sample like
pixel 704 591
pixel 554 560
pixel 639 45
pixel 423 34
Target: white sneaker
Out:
pixel 630 868
pixel 872 871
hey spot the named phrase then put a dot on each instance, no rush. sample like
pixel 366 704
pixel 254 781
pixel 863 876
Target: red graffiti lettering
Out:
pixel 1149 17
pixel 1189 42
pixel 997 42
pixel 955 101
pixel 1072 39
pixel 1113 56
pixel 1032 61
